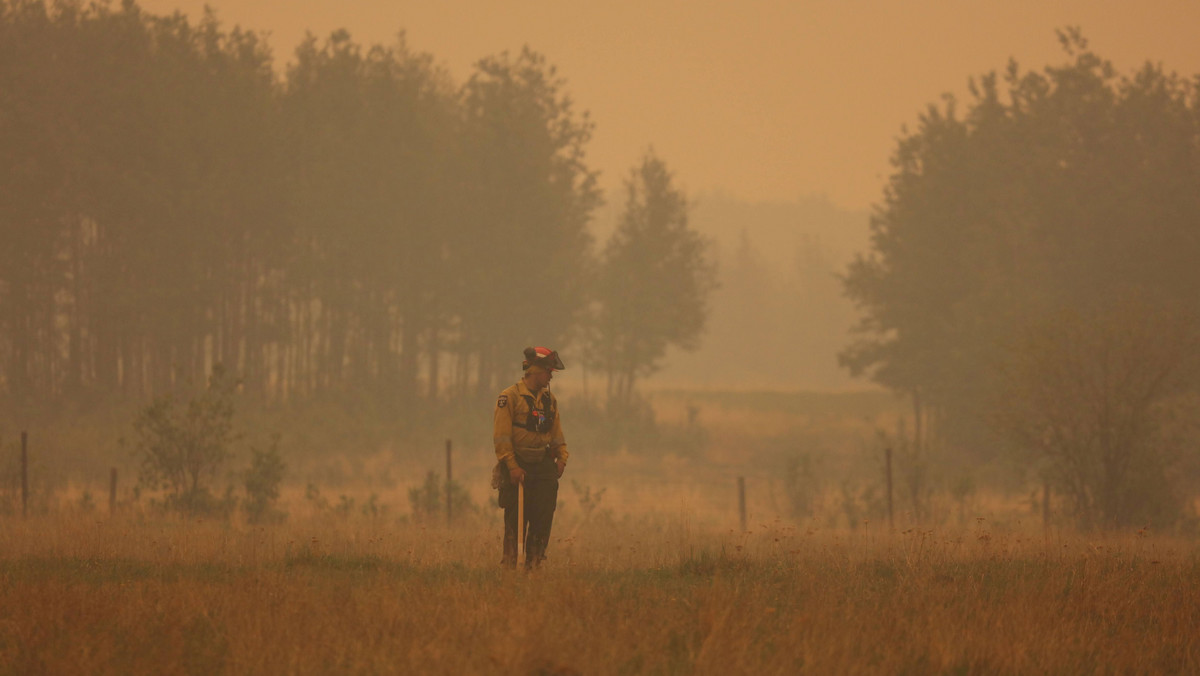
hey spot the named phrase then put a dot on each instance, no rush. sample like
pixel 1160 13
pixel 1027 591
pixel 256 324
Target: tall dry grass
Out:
pixel 619 595
pixel 656 578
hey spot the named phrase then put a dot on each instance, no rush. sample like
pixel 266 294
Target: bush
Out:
pixel 1104 399
pixel 183 447
pixel 428 501
pixel 262 483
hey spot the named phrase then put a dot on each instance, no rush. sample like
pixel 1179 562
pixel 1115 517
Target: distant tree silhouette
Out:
pixel 523 251
pixel 654 281
pixel 1071 187
pixel 171 203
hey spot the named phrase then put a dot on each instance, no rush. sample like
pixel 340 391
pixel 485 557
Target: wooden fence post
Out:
pixel 112 492
pixel 24 474
pixel 887 454
pixel 1046 506
pixel 449 497
pixel 742 500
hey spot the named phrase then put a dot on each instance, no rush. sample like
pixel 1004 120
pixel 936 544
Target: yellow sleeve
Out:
pixel 502 431
pixel 558 443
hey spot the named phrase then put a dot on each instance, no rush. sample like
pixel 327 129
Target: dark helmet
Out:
pixel 542 356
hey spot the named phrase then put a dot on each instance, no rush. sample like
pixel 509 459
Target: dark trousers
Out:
pixel 541 497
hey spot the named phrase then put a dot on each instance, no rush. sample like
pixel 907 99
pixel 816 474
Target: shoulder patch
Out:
pixel 502 401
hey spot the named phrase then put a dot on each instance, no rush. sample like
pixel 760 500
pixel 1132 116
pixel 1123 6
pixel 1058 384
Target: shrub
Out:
pixel 182 448
pixel 428 500
pixel 262 481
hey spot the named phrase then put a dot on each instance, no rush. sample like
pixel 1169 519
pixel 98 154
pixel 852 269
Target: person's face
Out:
pixel 543 379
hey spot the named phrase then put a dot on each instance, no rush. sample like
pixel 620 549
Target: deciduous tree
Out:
pixel 654 281
pixel 1073 185
pixel 183 446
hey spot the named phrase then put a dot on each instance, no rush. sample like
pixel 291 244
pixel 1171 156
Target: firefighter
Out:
pixel 530 450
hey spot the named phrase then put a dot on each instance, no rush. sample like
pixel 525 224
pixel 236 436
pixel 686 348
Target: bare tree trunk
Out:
pixel 434 351
pixel 19 383
pixel 75 347
pixel 406 380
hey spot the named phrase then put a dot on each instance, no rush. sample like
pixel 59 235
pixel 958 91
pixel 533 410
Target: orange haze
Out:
pixel 763 100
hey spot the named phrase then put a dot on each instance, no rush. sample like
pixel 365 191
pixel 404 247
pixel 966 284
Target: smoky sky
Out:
pixel 764 100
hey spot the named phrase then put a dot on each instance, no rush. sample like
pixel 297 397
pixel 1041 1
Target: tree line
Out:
pixel 1031 281
pixel 359 222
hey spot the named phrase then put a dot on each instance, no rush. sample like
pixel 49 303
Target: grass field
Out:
pixel 656 595
pixel 649 569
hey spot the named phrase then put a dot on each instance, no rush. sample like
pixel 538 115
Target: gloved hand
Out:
pixel 561 466
pixel 517 476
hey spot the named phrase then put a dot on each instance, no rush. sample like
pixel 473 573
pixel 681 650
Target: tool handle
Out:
pixel 521 522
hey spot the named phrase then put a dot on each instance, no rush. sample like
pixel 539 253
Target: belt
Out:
pixel 531 454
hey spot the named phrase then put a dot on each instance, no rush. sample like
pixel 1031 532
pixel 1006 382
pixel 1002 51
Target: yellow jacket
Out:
pixel 518 409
